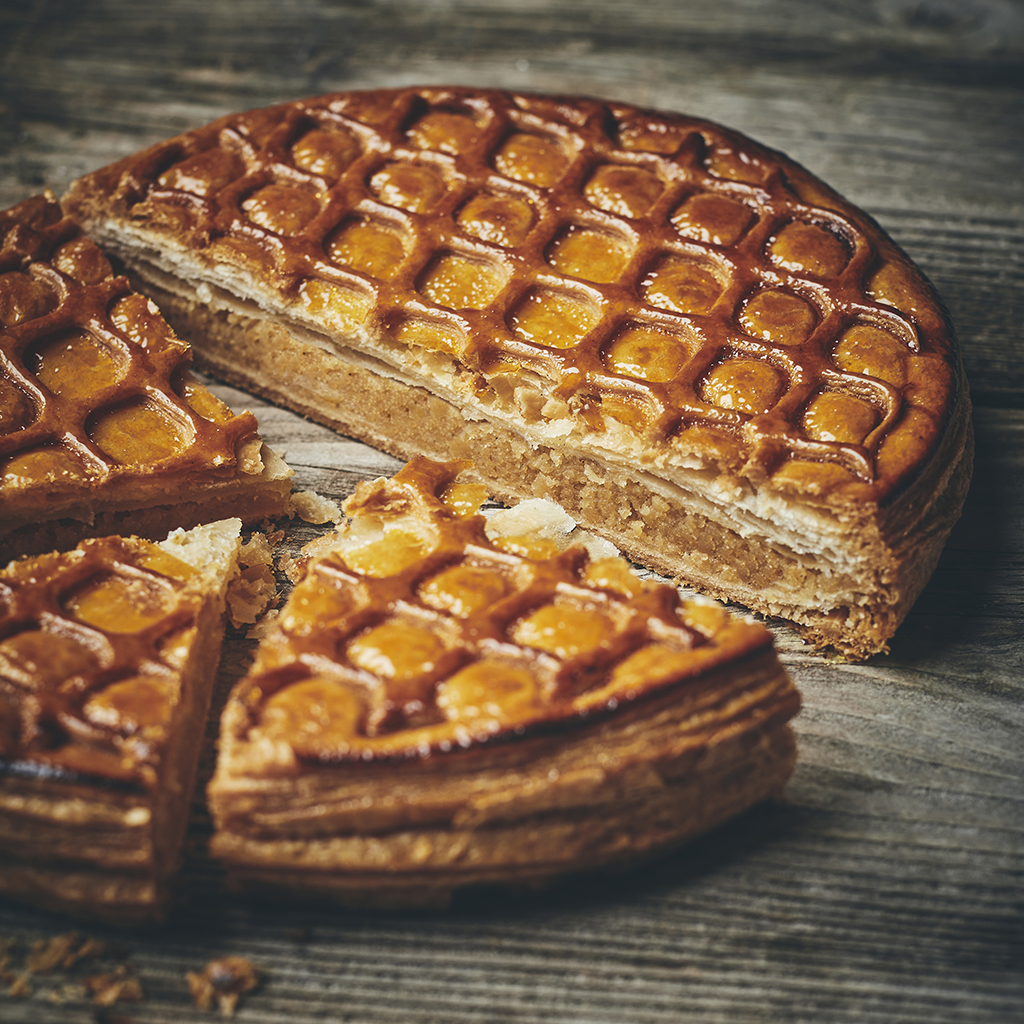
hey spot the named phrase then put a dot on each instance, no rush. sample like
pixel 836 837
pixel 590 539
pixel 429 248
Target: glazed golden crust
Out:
pixel 108 655
pixel 101 416
pixel 669 274
pixel 648 291
pixel 401 639
pixel 436 707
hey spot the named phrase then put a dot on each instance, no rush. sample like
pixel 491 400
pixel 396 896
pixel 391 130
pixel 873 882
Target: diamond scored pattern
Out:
pixel 96 635
pixel 434 636
pixel 93 383
pixel 617 220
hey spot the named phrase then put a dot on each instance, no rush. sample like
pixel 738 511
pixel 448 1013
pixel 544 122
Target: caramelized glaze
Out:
pixel 431 637
pixel 537 230
pixel 93 383
pixel 89 651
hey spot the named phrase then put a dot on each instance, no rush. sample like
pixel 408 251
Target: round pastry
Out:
pixel 693 345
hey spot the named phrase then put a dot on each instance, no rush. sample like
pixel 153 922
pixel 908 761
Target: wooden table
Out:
pixel 888 886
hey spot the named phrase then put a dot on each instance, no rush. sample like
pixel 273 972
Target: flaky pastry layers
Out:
pixel 108 655
pixel 694 346
pixel 102 427
pixel 437 709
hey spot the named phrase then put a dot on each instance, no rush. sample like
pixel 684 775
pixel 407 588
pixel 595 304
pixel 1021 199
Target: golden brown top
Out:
pixel 92 642
pixel 654 274
pixel 414 633
pixel 94 386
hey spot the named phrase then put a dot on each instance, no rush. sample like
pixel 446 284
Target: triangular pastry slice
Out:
pixel 694 346
pixel 108 656
pixel 103 429
pixel 441 704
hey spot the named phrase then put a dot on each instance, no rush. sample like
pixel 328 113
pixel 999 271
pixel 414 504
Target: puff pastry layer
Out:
pixel 443 704
pixel 108 655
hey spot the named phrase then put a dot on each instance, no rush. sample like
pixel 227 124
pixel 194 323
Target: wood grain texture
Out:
pixel 889 885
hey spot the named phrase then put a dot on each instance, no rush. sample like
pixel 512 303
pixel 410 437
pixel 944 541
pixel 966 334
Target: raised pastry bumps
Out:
pixel 108 655
pixel 102 427
pixel 685 339
pixel 436 709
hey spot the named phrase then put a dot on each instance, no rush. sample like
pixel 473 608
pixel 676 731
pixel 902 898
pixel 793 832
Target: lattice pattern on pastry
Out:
pixel 91 645
pixel 432 634
pixel 93 383
pixel 533 232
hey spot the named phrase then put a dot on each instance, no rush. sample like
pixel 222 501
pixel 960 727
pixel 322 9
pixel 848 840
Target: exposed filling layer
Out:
pixel 678 513
pixel 813 537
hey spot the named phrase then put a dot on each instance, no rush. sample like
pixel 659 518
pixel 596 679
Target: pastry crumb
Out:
pixel 263 626
pixel 313 508
pixel 253 590
pixel 90 949
pixel 224 981
pixel 250 458
pixel 49 953
pixel 66 993
pixel 20 987
pixel 60 954
pixel 292 567
pixel 116 986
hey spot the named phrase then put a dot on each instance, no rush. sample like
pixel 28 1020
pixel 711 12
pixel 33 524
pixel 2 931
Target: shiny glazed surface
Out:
pixel 655 272
pixel 92 643
pixel 428 636
pixel 94 386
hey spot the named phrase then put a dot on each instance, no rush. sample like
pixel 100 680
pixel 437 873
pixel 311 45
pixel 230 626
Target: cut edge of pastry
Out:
pixel 258 493
pixel 101 838
pixel 844 576
pixel 613 777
